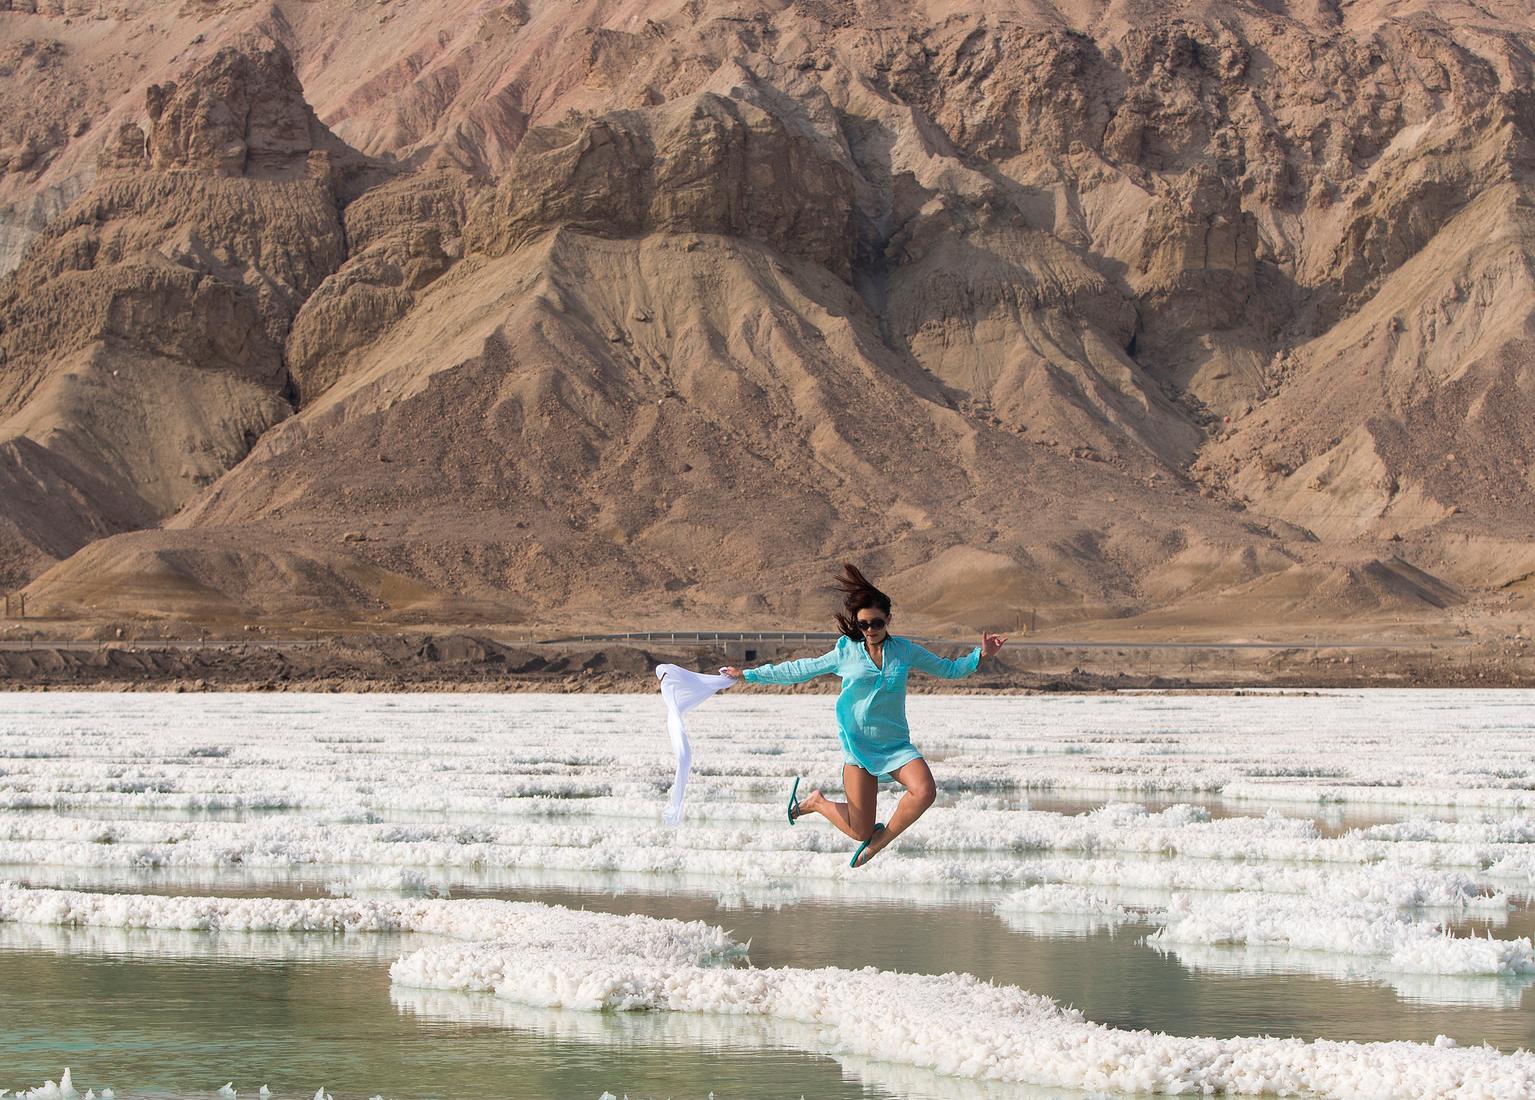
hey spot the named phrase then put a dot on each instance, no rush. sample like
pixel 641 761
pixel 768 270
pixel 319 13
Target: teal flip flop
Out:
pixel 878 828
pixel 794 802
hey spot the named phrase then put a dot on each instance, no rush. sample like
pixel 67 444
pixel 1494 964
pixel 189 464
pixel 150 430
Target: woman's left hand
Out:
pixel 990 643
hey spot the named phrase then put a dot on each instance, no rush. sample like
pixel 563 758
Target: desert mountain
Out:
pixel 1204 314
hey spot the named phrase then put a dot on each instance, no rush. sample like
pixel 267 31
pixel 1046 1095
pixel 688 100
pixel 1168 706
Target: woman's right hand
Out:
pixel 731 671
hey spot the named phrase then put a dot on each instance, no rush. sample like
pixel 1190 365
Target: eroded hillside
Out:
pixel 1210 314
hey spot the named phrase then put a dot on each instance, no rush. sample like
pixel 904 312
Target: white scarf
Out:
pixel 683 690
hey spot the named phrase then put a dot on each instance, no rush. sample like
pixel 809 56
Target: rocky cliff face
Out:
pixel 143 334
pixel 1136 309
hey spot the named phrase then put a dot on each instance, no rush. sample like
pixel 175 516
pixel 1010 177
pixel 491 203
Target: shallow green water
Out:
pixel 185 1026
pixel 177 1013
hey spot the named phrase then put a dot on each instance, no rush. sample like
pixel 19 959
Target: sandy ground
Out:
pixel 466 662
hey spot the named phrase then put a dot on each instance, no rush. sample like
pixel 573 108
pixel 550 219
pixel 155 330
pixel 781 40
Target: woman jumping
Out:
pixel 871 714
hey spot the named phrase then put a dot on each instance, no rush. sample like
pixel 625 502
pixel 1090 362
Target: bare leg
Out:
pixel 920 792
pixel 855 817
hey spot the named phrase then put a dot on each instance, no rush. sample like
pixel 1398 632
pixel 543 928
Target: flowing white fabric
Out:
pixel 682 690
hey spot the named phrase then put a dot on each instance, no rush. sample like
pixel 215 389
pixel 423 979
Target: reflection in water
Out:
pixel 234 947
pixel 1482 991
pixel 703 1031
pixel 1059 924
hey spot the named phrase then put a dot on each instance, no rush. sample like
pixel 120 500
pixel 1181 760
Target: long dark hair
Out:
pixel 858 593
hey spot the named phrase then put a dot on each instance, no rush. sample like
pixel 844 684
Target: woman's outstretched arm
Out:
pixel 925 660
pixel 791 672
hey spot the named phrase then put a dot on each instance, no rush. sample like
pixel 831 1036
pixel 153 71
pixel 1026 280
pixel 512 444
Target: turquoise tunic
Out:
pixel 871 711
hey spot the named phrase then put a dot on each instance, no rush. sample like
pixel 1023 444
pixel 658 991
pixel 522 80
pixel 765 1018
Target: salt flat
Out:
pixel 382 797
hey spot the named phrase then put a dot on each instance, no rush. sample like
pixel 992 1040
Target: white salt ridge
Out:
pixel 1337 925
pixel 958 1025
pixel 25 837
pixel 100 788
pixel 1145 884
pixel 333 802
pixel 168 943
pixel 1135 814
pixel 1398 884
pixel 164 943
pixel 946 829
pixel 1402 944
pixel 706 1031
pixel 1518 867
pixel 1061 899
pixel 515 927
pixel 1442 797
pixel 1498 992
pixel 1513 830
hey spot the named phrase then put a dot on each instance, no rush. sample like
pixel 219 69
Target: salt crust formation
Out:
pixel 1259 893
pixel 960 1026
pixel 1504 993
pixel 1203 314
pixel 62 1089
pixel 954 1024
pixel 1353 914
pixel 955 851
pixel 324 752
pixel 1337 926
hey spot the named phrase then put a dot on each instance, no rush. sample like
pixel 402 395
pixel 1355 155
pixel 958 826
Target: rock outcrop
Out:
pixel 142 336
pixel 1170 311
pixel 402 236
pixel 706 164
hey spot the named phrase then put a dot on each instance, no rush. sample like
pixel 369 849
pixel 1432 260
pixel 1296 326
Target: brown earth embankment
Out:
pixel 463 662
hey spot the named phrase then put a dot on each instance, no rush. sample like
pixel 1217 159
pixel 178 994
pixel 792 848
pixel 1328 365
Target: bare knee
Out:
pixel 922 794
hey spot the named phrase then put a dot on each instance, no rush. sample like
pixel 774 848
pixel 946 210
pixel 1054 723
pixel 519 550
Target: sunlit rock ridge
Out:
pixel 1206 316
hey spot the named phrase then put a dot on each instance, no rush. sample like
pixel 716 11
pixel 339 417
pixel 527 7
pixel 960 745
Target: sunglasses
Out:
pixel 867 625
